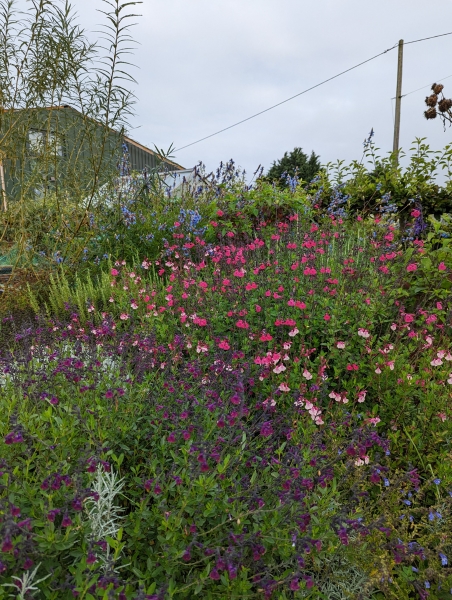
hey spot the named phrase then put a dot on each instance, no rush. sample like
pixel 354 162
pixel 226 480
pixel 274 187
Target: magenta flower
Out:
pixel 13 438
pixel 66 522
pixel 266 429
pixel 7 545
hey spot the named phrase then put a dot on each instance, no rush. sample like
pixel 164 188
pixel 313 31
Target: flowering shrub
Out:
pixel 260 413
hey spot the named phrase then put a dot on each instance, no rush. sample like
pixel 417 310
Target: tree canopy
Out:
pixel 294 163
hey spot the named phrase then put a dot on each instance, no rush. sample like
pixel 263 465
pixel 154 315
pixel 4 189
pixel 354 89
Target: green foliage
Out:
pixel 57 87
pixel 295 163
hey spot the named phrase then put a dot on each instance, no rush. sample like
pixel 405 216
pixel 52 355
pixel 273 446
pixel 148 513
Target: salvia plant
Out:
pixel 258 411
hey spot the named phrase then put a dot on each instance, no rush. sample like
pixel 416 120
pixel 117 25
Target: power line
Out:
pixel 423 87
pixel 305 91
pixel 428 38
pixel 287 99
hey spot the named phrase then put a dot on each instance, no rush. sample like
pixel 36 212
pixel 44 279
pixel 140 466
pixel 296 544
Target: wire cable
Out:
pixel 308 90
pixel 427 38
pixel 423 87
pixel 287 99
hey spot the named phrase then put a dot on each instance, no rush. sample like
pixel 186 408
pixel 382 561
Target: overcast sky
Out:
pixel 204 64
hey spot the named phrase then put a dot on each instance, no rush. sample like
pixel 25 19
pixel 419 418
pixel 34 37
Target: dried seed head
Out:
pixel 431 100
pixel 430 113
pixel 437 88
pixel 444 104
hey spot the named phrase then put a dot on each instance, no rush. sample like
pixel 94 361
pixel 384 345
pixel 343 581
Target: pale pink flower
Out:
pixel 307 374
pixel 393 327
pixel 442 416
pixel 284 387
pixel 436 362
pixel 448 356
pixel 293 332
pixel 340 345
pixel 362 395
pixel 378 370
pixel 124 316
pixel 363 333
pixel 279 369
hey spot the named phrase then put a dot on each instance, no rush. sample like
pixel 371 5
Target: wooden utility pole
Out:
pixel 395 147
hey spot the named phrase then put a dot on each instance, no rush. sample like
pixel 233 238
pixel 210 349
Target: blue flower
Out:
pixel 437 481
pixel 444 560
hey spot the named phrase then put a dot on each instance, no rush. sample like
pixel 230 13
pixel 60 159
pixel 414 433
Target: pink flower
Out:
pixel 307 374
pixel 362 395
pixel 442 416
pixel 326 317
pixel 124 316
pixel 242 324
pixel 279 369
pixel 415 213
pixel 409 318
pixel 442 267
pixel 176 224
pixel 220 213
pixel 257 308
pixel 363 333
pixel 239 273
pixel 224 345
pixel 293 332
pixel 284 387
pixel 412 267
pixel 340 345
pixel 114 272
pixel 265 337
pixel 373 420
pixel 436 362
pixel 230 234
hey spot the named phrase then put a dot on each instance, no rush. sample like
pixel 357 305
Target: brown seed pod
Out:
pixel 431 100
pixel 430 113
pixel 444 104
pixel 437 88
